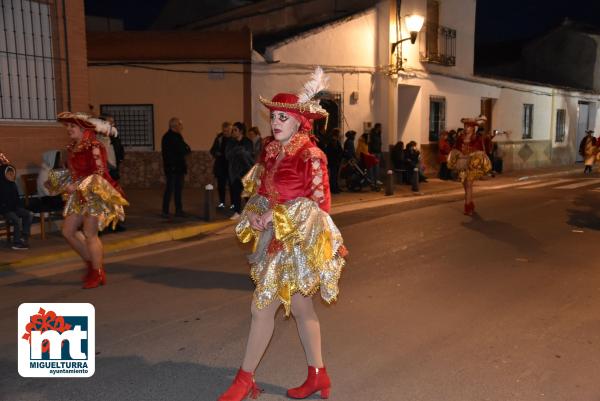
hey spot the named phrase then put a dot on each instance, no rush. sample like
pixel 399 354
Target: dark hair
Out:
pixel 241 126
pixel 255 130
pixel 350 134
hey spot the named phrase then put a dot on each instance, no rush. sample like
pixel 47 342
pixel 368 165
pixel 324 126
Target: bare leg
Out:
pixel 465 187
pixel 92 241
pixel 69 231
pixel 261 331
pixel 468 191
pixel 309 329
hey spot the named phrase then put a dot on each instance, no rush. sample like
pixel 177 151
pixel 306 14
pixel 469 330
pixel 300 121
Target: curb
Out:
pixel 565 172
pixel 172 234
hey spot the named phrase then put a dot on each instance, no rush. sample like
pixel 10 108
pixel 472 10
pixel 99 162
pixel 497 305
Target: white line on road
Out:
pixel 546 183
pixel 584 183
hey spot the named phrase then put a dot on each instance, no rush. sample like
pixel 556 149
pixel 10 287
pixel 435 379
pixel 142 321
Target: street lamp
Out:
pixel 414 23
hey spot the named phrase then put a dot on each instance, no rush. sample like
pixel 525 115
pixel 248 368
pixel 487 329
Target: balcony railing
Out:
pixel 438 45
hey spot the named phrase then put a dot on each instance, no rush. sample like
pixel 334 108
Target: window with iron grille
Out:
pixel 561 116
pixel 31 63
pixel 437 117
pixel 135 123
pixel 527 121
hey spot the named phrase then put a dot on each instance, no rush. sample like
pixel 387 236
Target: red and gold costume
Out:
pixel 97 193
pixel 469 157
pixel 303 251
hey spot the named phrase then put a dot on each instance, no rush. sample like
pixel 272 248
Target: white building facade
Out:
pixel 426 87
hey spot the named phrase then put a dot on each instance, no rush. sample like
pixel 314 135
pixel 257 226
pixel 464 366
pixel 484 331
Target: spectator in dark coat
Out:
pixel 335 153
pixel 257 142
pixel 374 142
pixel 412 156
pixel 10 207
pixel 239 154
pixel 174 151
pixel 220 168
pixel 349 147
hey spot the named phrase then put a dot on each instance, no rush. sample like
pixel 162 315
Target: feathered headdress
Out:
pixel 86 121
pixel 304 103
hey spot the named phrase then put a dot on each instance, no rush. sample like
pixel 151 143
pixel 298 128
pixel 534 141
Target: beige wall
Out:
pixel 202 103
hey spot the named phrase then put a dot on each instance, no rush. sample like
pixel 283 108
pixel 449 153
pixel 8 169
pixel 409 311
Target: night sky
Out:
pixel 497 20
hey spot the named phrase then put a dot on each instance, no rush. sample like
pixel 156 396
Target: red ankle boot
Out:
pixel 96 278
pixel 467 210
pixel 243 386
pixel 89 271
pixel 472 208
pixel 317 380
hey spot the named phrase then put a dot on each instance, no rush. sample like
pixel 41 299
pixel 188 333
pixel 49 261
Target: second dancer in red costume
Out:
pixel 297 248
pixel 469 159
pixel 93 200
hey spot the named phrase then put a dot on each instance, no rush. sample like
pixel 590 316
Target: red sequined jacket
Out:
pixel 466 148
pixel 301 172
pixel 89 157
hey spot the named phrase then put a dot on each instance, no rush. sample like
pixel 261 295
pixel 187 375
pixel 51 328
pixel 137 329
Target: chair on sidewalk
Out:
pixel 5 229
pixel 30 193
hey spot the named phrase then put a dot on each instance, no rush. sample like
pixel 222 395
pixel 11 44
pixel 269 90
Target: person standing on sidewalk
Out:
pixel 335 153
pixel 220 169
pixel 443 152
pixel 469 159
pixel 588 150
pixel 10 207
pixel 239 154
pixel 375 144
pixel 174 150
pixel 297 248
pixel 93 200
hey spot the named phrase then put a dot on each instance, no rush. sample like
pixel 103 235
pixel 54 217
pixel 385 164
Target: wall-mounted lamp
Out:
pixel 414 23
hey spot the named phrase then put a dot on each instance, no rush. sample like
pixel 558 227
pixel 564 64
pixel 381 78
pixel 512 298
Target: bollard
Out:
pixel 389 183
pixel 415 180
pixel 209 209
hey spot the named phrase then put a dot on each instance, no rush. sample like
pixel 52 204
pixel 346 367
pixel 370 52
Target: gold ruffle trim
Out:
pixel 470 167
pixel 94 197
pixel 299 254
pixel 251 181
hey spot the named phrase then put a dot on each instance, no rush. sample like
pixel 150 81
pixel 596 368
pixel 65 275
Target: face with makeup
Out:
pixel 75 131
pixel 284 126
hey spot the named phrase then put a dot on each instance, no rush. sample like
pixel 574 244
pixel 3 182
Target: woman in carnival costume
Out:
pixel 297 248
pixel 92 199
pixel 468 158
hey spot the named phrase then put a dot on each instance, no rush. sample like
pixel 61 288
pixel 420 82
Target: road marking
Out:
pixel 585 183
pixel 546 183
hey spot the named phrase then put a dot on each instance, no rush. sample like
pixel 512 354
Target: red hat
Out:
pixel 474 122
pixel 302 106
pixel 81 119
pixel 290 103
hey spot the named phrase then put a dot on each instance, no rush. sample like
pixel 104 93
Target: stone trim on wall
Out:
pixel 145 170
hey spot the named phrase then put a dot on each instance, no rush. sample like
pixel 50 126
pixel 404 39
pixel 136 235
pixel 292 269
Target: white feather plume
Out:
pixel 318 82
pixel 103 127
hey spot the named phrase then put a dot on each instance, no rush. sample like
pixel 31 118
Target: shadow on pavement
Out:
pixel 167 276
pixel 130 378
pixel 586 213
pixel 504 232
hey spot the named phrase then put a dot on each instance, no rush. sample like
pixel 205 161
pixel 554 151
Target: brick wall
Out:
pixel 24 142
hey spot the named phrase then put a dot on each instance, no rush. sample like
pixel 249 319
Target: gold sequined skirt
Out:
pixel 94 197
pixel 302 252
pixel 470 167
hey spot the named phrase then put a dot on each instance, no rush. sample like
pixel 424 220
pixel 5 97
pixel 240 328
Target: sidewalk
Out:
pixel 145 226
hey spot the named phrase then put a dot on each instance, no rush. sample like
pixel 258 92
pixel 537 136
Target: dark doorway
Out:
pixel 332 103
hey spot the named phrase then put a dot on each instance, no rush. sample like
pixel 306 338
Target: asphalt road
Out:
pixel 434 306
